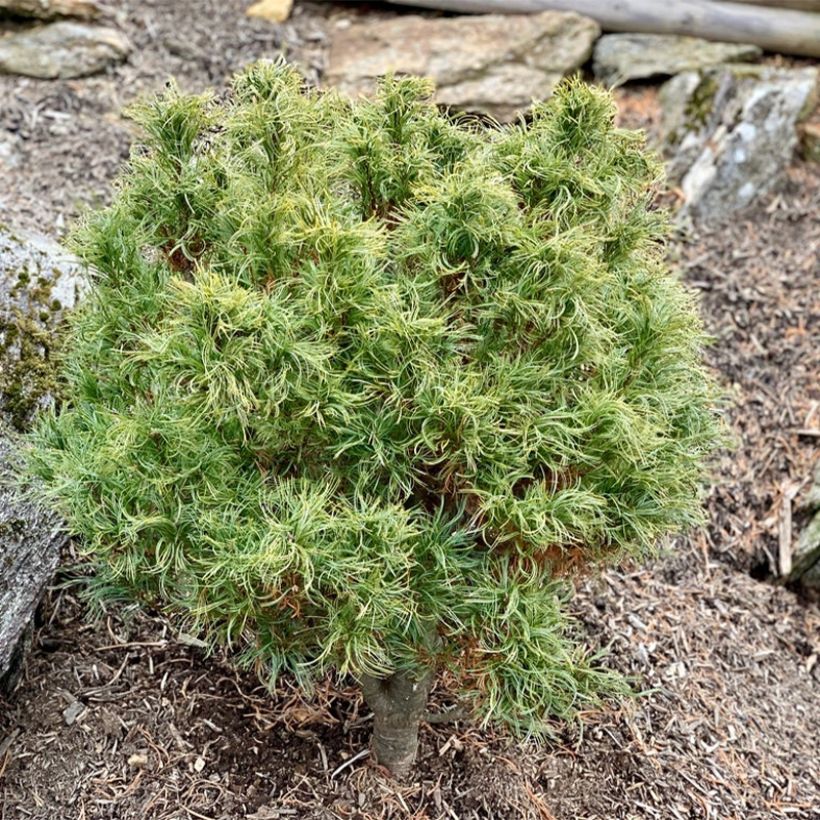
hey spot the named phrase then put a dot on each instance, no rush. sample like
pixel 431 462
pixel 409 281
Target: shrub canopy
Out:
pixel 359 384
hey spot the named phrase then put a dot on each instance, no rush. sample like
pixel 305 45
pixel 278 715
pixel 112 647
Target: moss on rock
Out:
pixel 36 278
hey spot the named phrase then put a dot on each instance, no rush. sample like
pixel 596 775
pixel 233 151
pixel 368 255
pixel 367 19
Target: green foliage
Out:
pixel 359 386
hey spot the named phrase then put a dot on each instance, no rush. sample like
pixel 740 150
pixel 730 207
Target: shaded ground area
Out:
pixel 121 719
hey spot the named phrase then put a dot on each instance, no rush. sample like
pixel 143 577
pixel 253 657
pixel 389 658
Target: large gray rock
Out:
pixel 38 282
pixel 30 543
pixel 730 133
pixel 493 64
pixel 619 58
pixel 62 50
pixel 29 262
pixel 48 9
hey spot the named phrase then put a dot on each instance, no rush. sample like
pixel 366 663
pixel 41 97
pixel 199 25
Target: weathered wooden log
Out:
pixel 800 5
pixel 30 544
pixel 785 30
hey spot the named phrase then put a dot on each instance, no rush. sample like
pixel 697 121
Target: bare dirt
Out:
pixel 121 718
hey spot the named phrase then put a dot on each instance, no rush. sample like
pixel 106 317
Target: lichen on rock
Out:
pixel 38 280
pixel 730 133
pixel 620 58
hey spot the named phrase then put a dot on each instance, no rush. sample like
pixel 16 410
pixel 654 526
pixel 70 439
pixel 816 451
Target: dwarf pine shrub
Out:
pixel 359 386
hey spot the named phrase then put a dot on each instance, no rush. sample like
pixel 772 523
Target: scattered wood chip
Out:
pixel 789 491
pixel 191 640
pixel 138 760
pixel 72 712
pixel 349 762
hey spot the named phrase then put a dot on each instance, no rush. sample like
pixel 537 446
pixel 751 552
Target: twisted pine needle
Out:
pixel 356 374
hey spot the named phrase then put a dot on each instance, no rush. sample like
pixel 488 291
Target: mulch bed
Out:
pixel 758 279
pixel 122 718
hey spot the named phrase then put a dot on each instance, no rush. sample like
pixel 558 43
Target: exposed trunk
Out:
pixel 399 704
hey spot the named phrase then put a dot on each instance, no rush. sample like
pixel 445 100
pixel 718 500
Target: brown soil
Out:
pixel 726 727
pixel 118 718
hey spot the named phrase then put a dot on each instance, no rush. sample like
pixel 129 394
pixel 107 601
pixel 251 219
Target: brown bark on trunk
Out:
pixel 399 704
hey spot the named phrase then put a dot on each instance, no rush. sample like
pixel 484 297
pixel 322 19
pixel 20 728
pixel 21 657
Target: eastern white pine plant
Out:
pixel 360 386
